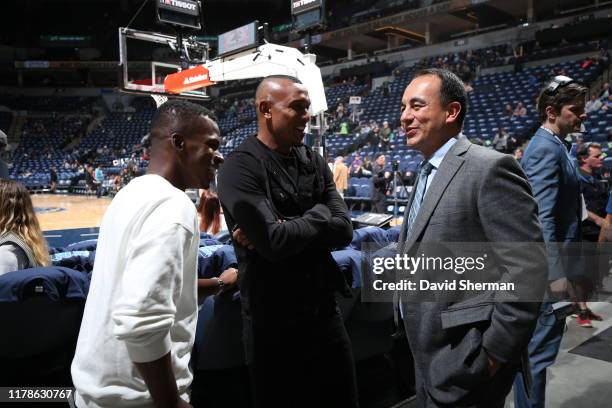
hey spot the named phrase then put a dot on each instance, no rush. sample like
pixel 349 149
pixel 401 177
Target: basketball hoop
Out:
pixel 137 81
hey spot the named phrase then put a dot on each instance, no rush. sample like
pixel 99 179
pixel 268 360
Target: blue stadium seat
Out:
pixel 40 303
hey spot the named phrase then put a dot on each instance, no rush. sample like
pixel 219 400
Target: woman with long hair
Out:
pixel 209 211
pixel 22 244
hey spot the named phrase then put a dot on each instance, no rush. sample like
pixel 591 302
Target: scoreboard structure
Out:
pixel 307 15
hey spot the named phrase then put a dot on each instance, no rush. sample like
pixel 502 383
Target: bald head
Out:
pixel 271 86
pixel 282 104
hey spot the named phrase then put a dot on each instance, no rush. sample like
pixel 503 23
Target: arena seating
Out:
pixel 228 123
pixel 40 149
pixel 119 132
pixel 40 303
pixel 122 130
pixel 53 103
pixel 233 139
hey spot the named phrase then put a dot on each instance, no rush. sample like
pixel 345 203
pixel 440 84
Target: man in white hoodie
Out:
pixel 139 321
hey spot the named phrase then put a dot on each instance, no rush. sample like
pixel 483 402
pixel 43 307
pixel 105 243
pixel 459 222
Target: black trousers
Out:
pixel 223 388
pixel 304 362
pixel 379 203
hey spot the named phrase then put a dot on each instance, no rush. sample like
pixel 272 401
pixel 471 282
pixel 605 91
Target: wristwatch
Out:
pixel 220 282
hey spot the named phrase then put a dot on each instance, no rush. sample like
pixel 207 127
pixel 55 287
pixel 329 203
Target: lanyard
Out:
pixel 553 133
pixel 562 144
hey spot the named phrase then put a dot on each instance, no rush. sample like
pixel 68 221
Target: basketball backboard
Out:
pixel 147 58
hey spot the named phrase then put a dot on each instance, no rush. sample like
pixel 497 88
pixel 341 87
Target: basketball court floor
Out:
pixel 66 219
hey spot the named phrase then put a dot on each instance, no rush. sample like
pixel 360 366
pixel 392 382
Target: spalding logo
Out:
pixel 197 78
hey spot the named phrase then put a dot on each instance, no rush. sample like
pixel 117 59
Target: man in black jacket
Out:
pixel 380 180
pixel 281 203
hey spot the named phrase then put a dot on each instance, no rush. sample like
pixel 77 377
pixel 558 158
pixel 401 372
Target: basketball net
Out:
pixel 159 99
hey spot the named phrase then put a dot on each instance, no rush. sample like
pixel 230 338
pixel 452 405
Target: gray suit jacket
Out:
pixel 477 195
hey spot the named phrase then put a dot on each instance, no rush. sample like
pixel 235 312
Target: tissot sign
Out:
pixel 297 6
pixel 183 6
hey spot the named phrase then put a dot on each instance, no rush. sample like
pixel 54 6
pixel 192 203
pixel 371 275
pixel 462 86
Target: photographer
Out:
pixel 385 136
pixel 380 181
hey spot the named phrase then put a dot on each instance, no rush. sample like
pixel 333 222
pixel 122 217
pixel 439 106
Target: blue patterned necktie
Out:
pixel 426 169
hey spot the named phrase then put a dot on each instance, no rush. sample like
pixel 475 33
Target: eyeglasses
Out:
pixel 558 82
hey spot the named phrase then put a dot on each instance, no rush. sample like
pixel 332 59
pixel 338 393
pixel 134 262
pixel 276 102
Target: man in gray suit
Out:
pixel 466 353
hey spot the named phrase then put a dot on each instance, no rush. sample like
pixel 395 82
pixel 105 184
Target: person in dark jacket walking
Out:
pixel 280 201
pixel 380 181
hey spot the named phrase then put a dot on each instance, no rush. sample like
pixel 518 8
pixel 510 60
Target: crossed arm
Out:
pixel 243 196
